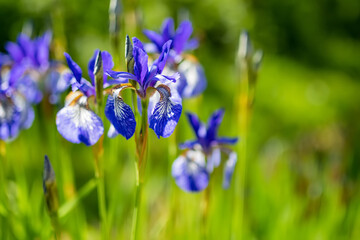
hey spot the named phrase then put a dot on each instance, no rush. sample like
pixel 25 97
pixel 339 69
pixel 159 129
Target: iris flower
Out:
pixel 192 169
pixel 164 107
pixel 16 99
pixel 76 122
pixel 192 77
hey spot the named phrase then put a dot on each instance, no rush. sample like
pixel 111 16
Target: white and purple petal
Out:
pixel 189 171
pixel 76 123
pixel 194 76
pixel 165 114
pixel 10 117
pixel 112 132
pixel 213 160
pixel 120 115
pixel 229 169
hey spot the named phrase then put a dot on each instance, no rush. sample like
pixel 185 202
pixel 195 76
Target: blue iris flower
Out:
pixel 76 122
pixel 16 111
pixel 192 80
pixel 164 107
pixel 192 169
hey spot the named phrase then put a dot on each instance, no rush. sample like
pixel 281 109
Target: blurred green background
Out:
pixel 303 165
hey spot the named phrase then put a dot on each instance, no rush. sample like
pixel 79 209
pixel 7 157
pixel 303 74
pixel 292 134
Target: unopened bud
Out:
pixel 129 55
pixel 257 59
pixel 99 78
pixel 50 188
pixel 245 47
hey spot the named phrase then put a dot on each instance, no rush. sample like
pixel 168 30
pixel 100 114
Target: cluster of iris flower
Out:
pixel 23 69
pixel 161 83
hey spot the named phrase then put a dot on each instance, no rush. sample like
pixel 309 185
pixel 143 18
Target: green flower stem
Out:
pixel 205 213
pixel 99 176
pixel 140 163
pixel 243 106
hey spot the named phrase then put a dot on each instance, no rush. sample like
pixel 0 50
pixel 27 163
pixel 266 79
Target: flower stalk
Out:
pixel 247 63
pixel 141 137
pixel 98 148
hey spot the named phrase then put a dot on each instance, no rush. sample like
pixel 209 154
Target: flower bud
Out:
pixel 99 78
pixel 129 55
pixel 50 188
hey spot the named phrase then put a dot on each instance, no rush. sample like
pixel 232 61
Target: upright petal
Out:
pixel 165 115
pixel 161 61
pixel 167 29
pixel 78 124
pixel 14 51
pixel 120 115
pixel 229 169
pixel 141 64
pixel 182 34
pixel 198 127
pixel 76 70
pixel 213 124
pixel 189 171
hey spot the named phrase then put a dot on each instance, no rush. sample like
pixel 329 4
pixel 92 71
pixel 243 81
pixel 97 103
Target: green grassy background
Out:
pixel 303 166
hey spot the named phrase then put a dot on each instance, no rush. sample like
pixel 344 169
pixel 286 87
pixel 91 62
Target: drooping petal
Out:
pixel 120 115
pixel 189 171
pixel 10 117
pixel 229 169
pixel 182 34
pixel 124 76
pixel 29 88
pixel 188 144
pixel 165 115
pixel 78 124
pixel 226 141
pixel 76 70
pixel 214 123
pixel 154 37
pixel 112 132
pixel 194 77
pixel 191 44
pixel 213 160
pixel 161 61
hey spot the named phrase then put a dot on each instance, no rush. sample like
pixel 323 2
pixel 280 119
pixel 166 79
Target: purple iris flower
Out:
pixel 76 122
pixel 192 80
pixel 192 169
pixel 34 54
pixel 164 107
